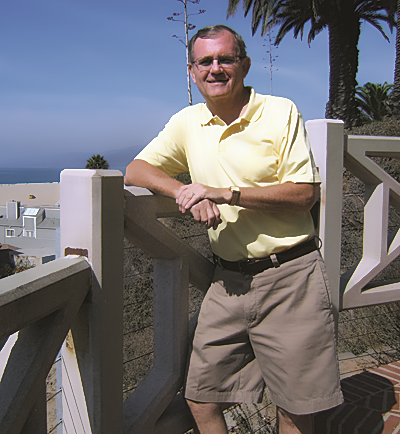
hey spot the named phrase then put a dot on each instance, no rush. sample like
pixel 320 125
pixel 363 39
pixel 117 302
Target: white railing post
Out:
pixel 92 224
pixel 327 144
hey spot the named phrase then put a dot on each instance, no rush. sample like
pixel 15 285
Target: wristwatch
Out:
pixel 235 195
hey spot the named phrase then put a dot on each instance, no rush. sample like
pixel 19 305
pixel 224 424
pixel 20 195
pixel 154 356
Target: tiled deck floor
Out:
pixel 371 404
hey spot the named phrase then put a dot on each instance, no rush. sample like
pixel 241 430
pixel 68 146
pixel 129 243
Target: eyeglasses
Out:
pixel 226 62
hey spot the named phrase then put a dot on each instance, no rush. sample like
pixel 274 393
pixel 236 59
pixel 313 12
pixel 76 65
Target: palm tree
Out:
pixel 343 20
pixel 393 8
pixel 96 161
pixel 372 99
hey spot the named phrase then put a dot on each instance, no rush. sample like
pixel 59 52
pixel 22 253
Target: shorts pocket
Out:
pixel 324 283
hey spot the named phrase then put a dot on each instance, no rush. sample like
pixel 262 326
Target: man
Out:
pixel 267 315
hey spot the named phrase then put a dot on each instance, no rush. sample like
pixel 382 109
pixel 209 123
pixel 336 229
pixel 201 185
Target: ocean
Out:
pixel 30 176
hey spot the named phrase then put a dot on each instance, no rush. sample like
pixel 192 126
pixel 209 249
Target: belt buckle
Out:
pixel 254 261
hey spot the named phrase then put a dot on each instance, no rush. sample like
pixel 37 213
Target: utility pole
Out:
pixel 185 42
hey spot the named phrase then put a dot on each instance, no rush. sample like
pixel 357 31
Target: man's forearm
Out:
pixel 281 197
pixel 276 198
pixel 142 174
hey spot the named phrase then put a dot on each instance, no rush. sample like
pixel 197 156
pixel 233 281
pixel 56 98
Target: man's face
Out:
pixel 217 81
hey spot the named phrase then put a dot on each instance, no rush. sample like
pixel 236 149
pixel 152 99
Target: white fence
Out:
pixel 380 248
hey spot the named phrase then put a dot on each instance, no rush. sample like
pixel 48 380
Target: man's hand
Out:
pixel 206 212
pixel 201 201
pixel 188 195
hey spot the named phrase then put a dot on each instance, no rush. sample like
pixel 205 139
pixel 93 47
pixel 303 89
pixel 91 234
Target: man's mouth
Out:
pixel 217 81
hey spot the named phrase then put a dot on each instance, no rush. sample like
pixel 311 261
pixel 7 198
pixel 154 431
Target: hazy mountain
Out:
pixel 117 158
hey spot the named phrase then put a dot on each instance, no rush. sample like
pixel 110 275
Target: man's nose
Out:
pixel 215 66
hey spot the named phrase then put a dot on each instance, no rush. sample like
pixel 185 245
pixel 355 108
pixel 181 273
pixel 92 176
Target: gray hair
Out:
pixel 211 32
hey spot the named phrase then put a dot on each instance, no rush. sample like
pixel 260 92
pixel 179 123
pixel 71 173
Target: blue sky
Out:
pixel 79 77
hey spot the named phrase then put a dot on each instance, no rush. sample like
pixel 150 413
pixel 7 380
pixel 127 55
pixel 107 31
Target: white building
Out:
pixel 32 227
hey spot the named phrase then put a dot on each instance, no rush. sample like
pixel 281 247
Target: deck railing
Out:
pixel 84 292
pixel 41 304
pixel 380 247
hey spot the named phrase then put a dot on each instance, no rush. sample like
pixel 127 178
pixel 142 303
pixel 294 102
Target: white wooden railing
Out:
pixel 354 288
pixel 84 292
pixel 42 304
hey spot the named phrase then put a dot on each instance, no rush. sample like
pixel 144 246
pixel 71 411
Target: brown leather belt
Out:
pixel 257 265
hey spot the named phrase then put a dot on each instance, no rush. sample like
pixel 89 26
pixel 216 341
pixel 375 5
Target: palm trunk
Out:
pixel 394 99
pixel 344 33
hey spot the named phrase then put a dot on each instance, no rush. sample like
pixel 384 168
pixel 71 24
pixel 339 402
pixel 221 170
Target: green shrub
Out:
pixel 387 127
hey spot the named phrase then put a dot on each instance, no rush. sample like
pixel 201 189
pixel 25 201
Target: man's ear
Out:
pixel 246 65
pixel 191 72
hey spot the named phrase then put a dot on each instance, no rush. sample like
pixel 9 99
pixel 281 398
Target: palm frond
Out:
pixel 316 29
pixel 373 20
pixel 295 15
pixel 232 8
pixel 247 5
pixel 266 12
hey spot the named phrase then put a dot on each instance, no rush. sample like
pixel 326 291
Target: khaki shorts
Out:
pixel 275 327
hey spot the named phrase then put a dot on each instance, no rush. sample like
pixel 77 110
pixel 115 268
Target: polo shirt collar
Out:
pixel 255 107
pixel 205 114
pixel 252 113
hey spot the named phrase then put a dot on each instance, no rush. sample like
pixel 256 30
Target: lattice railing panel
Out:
pixel 380 247
pixel 41 304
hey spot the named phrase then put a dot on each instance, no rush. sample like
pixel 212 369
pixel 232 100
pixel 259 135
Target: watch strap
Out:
pixel 235 195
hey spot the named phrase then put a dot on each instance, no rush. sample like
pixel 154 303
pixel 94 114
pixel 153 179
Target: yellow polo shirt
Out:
pixel 268 145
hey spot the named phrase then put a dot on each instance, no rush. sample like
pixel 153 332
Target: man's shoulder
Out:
pixel 275 106
pixel 190 116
